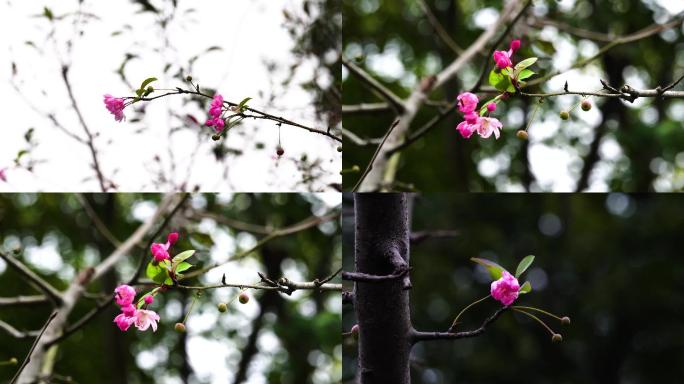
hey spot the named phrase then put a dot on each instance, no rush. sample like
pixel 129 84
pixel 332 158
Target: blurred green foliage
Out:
pixel 299 326
pixel 612 263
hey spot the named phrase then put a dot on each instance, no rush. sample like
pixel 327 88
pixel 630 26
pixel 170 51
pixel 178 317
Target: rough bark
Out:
pixel 382 308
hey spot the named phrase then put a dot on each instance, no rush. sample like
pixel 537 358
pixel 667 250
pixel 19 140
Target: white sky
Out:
pixel 249 31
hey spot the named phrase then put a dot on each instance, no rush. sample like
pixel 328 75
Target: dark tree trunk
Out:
pixel 382 309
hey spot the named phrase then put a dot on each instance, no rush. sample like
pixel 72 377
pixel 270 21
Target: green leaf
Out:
pixel 47 12
pixel 152 270
pixel 495 270
pixel 495 78
pixel 183 266
pixel 168 281
pixel 161 276
pixel 526 288
pixel 183 256
pixel 525 73
pixel 243 102
pixel 145 83
pixel 525 63
pixel 523 265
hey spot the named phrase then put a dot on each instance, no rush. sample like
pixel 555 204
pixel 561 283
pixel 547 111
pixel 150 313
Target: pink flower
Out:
pixel 149 299
pixel 491 107
pixel 467 102
pixel 515 45
pixel 160 251
pixel 471 117
pixel 172 238
pixel 128 310
pixel 502 59
pixel 215 110
pixel 3 175
pixel 487 126
pixel 466 130
pixel 124 322
pixel 115 105
pixel 505 289
pixel 144 318
pixel 125 294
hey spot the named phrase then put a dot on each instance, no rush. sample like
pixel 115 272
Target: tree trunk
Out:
pixel 382 308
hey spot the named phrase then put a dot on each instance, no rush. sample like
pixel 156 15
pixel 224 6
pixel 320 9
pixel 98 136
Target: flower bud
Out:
pixel 179 327
pixel 222 307
pixel 243 298
pixel 280 151
pixel 586 105
pixel 491 107
pixel 355 331
pixel 172 238
pixel 522 135
pixel 13 361
pixel 564 115
pixel 557 338
pixel 565 320
pixel 149 299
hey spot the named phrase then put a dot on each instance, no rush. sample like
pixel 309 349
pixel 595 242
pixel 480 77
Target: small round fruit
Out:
pixel 339 148
pixel 564 115
pixel 557 338
pixel 216 137
pixel 189 78
pixel 243 298
pixel 586 105
pixel 179 327
pixel 222 307
pixel 355 331
pixel 13 361
pixel 522 135
pixel 280 151
pixel 565 320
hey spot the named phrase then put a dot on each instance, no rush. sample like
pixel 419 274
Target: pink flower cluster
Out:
pixel 130 315
pixel 115 105
pixel 215 111
pixel 506 289
pixel 3 175
pixel 160 251
pixel 503 58
pixel 484 126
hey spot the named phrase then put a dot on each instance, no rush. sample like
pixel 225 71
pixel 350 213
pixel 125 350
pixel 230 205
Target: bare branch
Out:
pixel 420 236
pixel 374 85
pixel 17 334
pixel 439 29
pixel 360 277
pixel 37 281
pixel 417 336
pixel 369 167
pixel 33 347
pixel 23 300
pixel 578 32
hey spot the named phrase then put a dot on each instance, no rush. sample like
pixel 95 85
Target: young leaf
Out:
pixel 525 73
pixel 525 63
pixel 495 270
pixel 161 276
pixel 244 102
pixel 523 265
pixel 152 270
pixel 146 82
pixel 47 12
pixel 183 266
pixel 183 256
pixel 526 288
pixel 495 78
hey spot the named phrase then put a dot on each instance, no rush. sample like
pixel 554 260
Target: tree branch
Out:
pixel 33 347
pixel 51 292
pixel 360 277
pixel 17 334
pixel 23 300
pixel 417 336
pixel 420 236
pixel 369 167
pixel 374 85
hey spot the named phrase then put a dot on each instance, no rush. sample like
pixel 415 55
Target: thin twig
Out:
pixel 374 85
pixel 33 278
pixel 35 342
pixel 417 336
pixel 375 155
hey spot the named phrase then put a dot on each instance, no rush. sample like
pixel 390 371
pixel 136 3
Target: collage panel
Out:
pixel 177 288
pixel 170 95
pixel 513 96
pixel 510 288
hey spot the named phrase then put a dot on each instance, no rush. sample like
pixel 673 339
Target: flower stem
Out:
pixel 536 318
pixel 538 310
pixel 466 308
